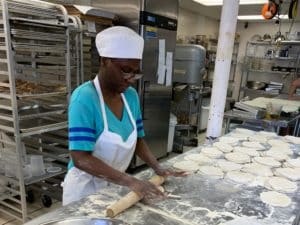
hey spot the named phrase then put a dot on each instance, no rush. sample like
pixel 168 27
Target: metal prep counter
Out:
pixel 204 200
pixel 283 122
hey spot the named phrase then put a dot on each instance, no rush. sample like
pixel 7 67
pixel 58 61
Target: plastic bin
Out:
pixel 172 124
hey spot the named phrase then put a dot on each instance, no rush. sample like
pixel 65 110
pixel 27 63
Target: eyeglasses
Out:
pixel 134 76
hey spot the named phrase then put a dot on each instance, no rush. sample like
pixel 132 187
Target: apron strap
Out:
pixel 102 105
pixel 129 111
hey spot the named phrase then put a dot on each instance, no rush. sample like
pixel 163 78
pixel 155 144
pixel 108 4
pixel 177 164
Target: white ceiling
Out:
pixel 215 11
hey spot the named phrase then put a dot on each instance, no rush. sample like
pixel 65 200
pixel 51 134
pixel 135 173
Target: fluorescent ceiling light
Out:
pixel 220 2
pixel 259 17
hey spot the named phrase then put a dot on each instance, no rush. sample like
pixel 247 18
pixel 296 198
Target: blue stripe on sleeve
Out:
pixel 139 121
pixel 140 128
pixel 82 129
pixel 82 138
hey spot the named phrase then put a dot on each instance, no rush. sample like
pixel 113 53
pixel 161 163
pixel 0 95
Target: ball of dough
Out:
pixel 199 159
pixel 247 151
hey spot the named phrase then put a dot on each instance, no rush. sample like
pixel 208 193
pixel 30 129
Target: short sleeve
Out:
pixel 139 119
pixel 82 130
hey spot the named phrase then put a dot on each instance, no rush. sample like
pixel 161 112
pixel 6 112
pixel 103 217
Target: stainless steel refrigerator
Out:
pixel 158 21
pixel 155 20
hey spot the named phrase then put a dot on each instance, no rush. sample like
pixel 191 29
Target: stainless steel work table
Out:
pixel 204 200
pixel 282 122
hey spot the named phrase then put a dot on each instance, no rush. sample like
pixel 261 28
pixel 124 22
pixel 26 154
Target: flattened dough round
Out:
pixel 237 157
pixel 259 138
pixel 211 171
pixel 279 156
pixel 240 177
pixel 258 169
pixel 281 184
pixel 227 166
pixel 199 159
pixel 253 144
pixel 186 166
pixel 247 151
pixel 292 139
pixel 293 163
pixel 278 143
pixel 267 161
pixel 292 174
pixel 244 131
pixel 267 134
pixel 212 152
pixel 229 140
pixel 240 136
pixel 286 151
pixel 224 147
pixel 274 198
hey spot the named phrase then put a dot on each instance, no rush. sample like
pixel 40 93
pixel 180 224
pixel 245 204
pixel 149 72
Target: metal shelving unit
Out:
pixel 35 81
pixel 261 60
pixel 76 51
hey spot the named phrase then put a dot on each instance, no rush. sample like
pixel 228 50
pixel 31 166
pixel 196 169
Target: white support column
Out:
pixel 222 67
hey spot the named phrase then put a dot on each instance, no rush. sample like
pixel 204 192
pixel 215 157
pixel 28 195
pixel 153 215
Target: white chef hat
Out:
pixel 119 42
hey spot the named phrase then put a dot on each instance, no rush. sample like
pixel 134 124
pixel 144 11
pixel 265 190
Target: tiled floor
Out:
pixel 36 209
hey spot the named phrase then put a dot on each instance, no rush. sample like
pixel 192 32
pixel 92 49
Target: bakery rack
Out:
pixel 35 82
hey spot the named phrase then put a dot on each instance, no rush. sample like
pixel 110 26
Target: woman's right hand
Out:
pixel 146 189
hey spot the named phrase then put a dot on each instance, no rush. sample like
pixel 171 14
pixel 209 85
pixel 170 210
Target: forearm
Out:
pixel 98 168
pixel 143 151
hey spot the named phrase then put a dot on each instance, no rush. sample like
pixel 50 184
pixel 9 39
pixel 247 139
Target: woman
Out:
pixel 105 123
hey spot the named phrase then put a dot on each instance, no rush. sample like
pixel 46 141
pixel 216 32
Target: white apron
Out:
pixel 110 148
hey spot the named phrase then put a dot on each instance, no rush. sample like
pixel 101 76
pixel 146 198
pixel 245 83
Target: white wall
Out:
pixel 190 24
pixel 259 28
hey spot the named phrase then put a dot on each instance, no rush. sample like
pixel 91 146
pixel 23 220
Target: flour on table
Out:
pixel 274 198
pixel 211 171
pixel 257 169
pixel 277 155
pixel 292 174
pixel 199 159
pixel 224 147
pixel 186 166
pixel 240 177
pixel 253 144
pixel 212 152
pixel 247 151
pixel 281 184
pixel 292 139
pixel 267 161
pixel 293 163
pixel 227 166
pixel 278 143
pixel 229 140
pixel 237 157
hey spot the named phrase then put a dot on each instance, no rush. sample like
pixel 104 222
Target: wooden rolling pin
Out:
pixel 130 199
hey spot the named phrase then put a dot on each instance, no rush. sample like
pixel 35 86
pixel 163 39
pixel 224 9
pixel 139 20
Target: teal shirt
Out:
pixel 86 120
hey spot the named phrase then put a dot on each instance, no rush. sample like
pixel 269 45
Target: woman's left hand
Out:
pixel 169 172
